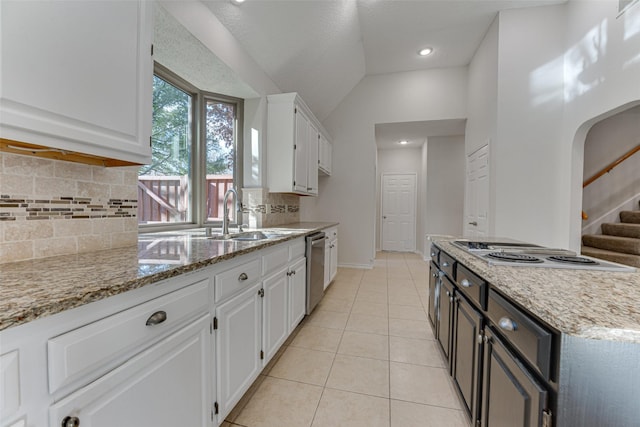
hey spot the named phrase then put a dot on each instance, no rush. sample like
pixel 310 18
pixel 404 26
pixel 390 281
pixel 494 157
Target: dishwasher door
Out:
pixel 315 269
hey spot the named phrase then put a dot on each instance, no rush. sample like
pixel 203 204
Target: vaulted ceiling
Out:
pixel 323 48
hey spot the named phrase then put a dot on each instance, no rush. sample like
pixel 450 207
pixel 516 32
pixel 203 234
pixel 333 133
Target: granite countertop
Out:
pixel 587 304
pixel 37 288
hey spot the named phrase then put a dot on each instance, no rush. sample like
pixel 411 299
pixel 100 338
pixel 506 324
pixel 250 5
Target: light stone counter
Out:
pixel 588 304
pixel 33 289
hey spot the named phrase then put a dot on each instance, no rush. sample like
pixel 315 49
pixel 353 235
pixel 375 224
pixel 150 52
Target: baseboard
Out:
pixel 359 266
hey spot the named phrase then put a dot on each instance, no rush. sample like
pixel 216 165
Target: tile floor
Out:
pixel 365 357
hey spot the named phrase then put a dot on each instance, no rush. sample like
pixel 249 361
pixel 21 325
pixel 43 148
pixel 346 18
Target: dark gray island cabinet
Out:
pixel 513 369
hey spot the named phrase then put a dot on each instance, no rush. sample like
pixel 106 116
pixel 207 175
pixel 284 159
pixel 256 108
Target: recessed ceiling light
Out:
pixel 403 142
pixel 426 51
pixel 237 1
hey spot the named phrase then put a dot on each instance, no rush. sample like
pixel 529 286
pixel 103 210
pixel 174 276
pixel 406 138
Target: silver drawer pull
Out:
pixel 157 318
pixel 433 254
pixel 445 264
pixel 507 324
pixel 466 283
pixel 243 277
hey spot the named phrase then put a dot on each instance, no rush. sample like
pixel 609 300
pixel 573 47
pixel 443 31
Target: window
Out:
pixel 195 156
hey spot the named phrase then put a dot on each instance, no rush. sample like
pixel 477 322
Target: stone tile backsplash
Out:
pixel 51 207
pixel 264 209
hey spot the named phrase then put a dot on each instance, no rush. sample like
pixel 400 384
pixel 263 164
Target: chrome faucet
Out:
pixel 225 210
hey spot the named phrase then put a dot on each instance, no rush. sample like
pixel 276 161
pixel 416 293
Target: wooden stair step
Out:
pixel 632 217
pixel 621 229
pixel 620 258
pixel 625 245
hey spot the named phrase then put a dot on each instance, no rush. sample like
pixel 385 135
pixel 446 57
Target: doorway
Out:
pixel 398 211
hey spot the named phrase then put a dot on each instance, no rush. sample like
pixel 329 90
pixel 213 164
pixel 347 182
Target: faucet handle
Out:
pixel 240 230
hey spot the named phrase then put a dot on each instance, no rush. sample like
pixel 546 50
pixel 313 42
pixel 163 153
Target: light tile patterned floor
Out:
pixel 365 357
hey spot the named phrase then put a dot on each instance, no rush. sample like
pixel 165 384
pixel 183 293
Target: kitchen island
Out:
pixel 537 346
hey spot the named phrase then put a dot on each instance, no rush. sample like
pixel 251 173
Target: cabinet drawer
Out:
pixel 235 279
pixel 275 258
pixel 89 350
pixel 472 286
pixel 296 249
pixel 435 254
pixel 524 333
pixel 447 264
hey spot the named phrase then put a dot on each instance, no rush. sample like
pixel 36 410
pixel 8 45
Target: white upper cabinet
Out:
pixel 78 76
pixel 293 139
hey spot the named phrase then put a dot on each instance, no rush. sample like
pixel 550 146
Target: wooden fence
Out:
pixel 166 198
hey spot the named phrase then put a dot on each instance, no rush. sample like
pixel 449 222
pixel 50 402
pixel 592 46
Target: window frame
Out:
pixel 197 195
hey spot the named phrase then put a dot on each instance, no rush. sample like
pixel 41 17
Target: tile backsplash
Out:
pixel 51 207
pixel 264 209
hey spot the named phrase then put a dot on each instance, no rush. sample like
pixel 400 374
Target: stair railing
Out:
pixel 608 169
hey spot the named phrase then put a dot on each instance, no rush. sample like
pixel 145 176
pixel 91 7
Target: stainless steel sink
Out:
pixel 247 236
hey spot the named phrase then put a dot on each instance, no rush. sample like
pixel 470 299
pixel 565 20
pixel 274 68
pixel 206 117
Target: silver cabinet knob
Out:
pixel 465 283
pixel 486 339
pixel 70 422
pixel 433 254
pixel 507 324
pixel 479 338
pixel 445 264
pixel 243 277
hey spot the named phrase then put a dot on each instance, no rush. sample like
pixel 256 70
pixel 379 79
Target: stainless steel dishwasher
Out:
pixel 315 269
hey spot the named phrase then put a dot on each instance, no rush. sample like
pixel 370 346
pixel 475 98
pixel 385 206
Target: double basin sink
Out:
pixel 248 236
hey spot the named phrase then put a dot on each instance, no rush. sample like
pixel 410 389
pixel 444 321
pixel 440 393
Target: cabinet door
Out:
pixel 238 339
pixel 446 316
pixel 334 258
pixel 166 385
pixel 466 356
pixel 327 263
pixel 300 165
pixel 434 291
pixel 77 75
pixel 312 160
pixel 297 293
pixel 512 397
pixel 275 313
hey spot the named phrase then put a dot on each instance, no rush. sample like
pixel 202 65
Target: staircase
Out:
pixel 619 242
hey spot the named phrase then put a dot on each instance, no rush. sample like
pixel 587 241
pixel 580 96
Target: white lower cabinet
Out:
pixel 238 324
pixel 165 386
pixel 172 354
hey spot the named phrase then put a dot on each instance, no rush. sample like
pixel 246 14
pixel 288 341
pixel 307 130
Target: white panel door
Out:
pixel 399 212
pixel 238 339
pixel 477 193
pixel 275 321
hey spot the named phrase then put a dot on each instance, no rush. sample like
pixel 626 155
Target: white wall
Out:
pixel 349 195
pixel 401 160
pixel 524 156
pixel 560 69
pixel 602 64
pixel 446 163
